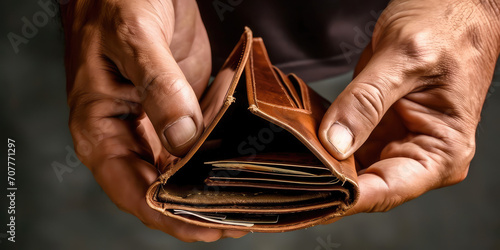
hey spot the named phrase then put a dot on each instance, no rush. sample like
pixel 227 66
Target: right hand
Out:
pixel 135 71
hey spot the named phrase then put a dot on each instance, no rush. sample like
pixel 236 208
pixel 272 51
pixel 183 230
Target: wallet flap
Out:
pixel 217 98
pixel 268 98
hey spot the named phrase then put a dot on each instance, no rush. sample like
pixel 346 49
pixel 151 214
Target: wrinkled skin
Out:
pixel 416 99
pixel 135 69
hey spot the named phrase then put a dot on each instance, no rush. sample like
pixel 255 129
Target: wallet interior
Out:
pixel 249 164
pixel 248 173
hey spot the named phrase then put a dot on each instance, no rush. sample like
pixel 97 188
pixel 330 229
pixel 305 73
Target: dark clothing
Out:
pixel 316 39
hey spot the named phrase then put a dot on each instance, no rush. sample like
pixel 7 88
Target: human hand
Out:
pixel 411 112
pixel 135 71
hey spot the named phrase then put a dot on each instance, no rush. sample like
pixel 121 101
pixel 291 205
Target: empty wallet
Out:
pixel 259 165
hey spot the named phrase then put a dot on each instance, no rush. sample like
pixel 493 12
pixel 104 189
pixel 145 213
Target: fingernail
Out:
pixel 180 132
pixel 340 137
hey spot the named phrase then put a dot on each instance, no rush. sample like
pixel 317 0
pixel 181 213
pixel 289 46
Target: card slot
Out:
pixel 301 88
pixel 300 159
pixel 221 170
pixel 232 219
pixel 291 91
pixel 272 185
pixel 285 163
pixel 291 159
pixel 256 179
pixel 334 199
pixel 253 218
pixel 285 169
pixel 215 174
pixel 211 219
pixel 275 169
pixel 211 196
pixel 208 215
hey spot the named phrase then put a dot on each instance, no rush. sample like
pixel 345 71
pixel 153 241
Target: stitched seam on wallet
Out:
pixel 254 90
pixel 287 108
pixel 242 53
pixel 204 194
pixel 234 194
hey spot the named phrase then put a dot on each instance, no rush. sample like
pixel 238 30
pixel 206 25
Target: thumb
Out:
pixel 172 106
pixel 166 96
pixel 360 107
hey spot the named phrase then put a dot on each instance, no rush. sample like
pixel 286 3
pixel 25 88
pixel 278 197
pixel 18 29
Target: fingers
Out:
pixel 121 152
pixel 121 163
pixel 233 234
pixel 391 182
pixel 360 107
pixel 123 169
pixel 168 100
pixel 126 178
pixel 139 46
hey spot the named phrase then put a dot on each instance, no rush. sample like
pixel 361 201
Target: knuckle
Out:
pixel 369 102
pixel 165 85
pixel 418 46
pixel 458 166
pixel 126 21
pixel 427 56
pixel 133 28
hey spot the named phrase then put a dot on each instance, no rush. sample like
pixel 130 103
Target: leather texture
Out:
pixel 251 97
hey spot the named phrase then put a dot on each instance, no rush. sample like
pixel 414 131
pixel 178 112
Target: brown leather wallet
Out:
pixel 259 165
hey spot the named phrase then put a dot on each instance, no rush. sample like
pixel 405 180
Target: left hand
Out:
pixel 135 71
pixel 411 112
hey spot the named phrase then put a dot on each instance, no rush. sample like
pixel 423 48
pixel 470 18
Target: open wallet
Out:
pixel 259 165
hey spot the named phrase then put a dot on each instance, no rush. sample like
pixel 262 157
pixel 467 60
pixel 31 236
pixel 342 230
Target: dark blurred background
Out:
pixel 74 213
